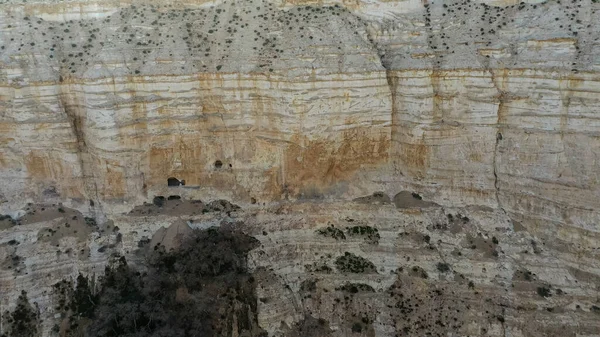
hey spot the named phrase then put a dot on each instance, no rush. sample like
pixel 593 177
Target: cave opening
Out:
pixel 218 164
pixel 175 182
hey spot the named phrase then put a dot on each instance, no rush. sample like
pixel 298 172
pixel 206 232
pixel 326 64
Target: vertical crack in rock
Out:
pixel 392 82
pixel 498 138
pixel 501 100
pixel 432 44
pixel 76 123
pixel 392 85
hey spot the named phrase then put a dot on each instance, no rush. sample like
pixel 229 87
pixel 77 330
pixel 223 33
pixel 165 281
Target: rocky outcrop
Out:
pixel 387 271
pixel 466 271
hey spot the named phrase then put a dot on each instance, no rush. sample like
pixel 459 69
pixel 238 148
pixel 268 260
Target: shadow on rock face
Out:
pixel 375 198
pixel 175 205
pixel 406 199
pixel 311 327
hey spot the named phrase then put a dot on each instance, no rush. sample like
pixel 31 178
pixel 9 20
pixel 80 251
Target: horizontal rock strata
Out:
pixel 292 109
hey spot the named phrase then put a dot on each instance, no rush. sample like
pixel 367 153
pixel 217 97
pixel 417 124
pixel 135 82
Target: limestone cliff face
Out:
pixel 489 104
pixel 467 102
pixel 114 106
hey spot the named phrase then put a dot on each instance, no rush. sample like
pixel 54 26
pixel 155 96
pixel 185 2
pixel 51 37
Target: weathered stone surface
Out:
pixel 490 106
pixel 501 278
pixel 468 103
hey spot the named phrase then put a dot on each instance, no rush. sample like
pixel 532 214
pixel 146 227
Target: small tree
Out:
pixel 84 300
pixel 76 305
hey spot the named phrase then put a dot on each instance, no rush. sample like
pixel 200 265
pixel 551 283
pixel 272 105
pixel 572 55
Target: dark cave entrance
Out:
pixel 175 182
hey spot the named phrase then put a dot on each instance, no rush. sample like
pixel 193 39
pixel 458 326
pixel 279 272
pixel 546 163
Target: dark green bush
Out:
pixel 350 263
pixel 332 232
pixel 90 221
pixel 308 285
pixel 544 292
pixel 370 233
pixel 443 267
pixel 356 288
pixel 419 272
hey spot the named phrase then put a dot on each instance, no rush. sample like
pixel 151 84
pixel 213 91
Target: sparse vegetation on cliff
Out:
pixel 350 263
pixel 370 234
pixel 544 291
pixel 443 267
pixel 418 272
pixel 318 268
pixel 23 321
pixel 332 232
pixel 354 288
pixel 311 327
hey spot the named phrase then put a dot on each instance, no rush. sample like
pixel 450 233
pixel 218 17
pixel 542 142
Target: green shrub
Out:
pixel 544 292
pixel 332 232
pixel 350 263
pixel 443 267
pixel 370 233
pixel 90 221
pixel 356 288
pixel 419 272
pixel 308 285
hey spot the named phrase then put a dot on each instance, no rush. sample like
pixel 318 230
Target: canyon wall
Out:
pixel 466 102
pixel 490 108
pixel 469 103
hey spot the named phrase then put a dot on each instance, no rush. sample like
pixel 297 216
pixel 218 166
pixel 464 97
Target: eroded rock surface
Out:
pixel 487 103
pixel 466 132
pixel 466 271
